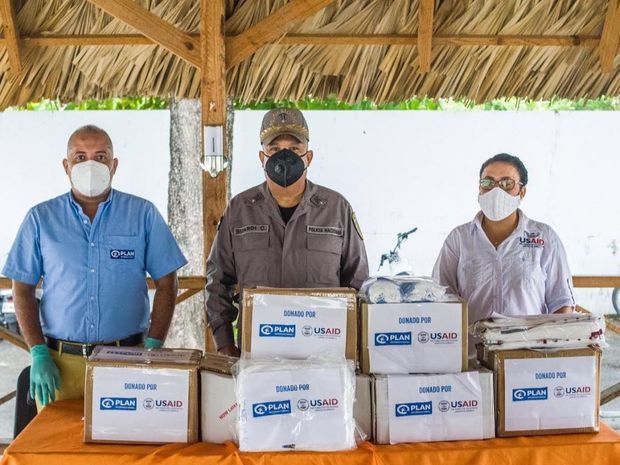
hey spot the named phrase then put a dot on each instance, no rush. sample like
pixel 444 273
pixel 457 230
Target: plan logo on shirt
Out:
pixel 117 254
pixel 532 240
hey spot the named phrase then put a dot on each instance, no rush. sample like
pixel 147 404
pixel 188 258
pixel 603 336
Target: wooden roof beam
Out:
pixel 271 28
pixel 425 34
pixel 610 39
pixel 152 26
pixel 11 35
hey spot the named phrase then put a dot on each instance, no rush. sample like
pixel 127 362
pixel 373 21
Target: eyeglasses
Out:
pixel 507 184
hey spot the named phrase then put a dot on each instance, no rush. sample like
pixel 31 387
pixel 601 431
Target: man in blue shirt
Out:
pixel 92 247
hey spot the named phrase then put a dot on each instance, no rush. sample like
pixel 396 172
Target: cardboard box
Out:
pixel 219 404
pixel 425 408
pixel 545 392
pixel 218 411
pixel 131 392
pixel 299 323
pixel 362 408
pixel 295 405
pixel 428 337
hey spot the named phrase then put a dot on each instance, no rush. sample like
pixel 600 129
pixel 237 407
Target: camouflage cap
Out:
pixel 281 121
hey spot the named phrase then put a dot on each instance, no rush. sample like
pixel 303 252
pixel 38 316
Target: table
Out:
pixel 55 437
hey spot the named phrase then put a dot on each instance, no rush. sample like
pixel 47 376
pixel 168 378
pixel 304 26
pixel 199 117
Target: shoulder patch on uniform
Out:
pixel 357 226
pixel 251 228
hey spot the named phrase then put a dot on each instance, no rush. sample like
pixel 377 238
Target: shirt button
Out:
pixel 85 221
pixel 92 244
pixel 92 270
pixel 92 297
pixel 92 326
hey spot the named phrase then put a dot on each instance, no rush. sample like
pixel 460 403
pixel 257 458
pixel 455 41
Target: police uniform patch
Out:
pixel 330 230
pixel 357 226
pixel 251 229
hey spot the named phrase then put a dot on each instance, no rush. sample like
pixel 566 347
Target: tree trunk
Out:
pixel 185 217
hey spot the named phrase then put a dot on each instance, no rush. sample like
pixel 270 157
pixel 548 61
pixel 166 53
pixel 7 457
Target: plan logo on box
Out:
pixel 413 408
pixel 393 339
pixel 264 409
pixel 118 403
pixel 276 330
pixel 535 393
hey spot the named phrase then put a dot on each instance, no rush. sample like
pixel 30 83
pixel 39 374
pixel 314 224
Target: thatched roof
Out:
pixel 381 73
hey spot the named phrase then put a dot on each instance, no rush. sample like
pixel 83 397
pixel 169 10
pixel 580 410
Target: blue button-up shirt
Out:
pixel 94 287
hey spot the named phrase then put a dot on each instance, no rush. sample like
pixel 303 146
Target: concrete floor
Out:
pixel 13 360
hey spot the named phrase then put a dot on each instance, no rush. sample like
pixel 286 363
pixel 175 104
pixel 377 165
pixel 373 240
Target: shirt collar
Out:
pixel 78 208
pixel 477 222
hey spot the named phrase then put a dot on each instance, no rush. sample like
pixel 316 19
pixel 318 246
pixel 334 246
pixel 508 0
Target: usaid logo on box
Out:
pixel 118 403
pixel 276 330
pixel 263 409
pixel 414 408
pixel 393 339
pixel 536 393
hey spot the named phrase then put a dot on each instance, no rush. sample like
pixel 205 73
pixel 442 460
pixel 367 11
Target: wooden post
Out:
pixel 213 98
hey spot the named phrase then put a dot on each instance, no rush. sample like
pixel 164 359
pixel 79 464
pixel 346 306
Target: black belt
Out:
pixel 84 350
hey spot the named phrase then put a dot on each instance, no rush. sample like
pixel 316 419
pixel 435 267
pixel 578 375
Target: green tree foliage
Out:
pixel 311 103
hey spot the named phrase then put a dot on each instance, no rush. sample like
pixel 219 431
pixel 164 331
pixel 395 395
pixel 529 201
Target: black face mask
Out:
pixel 285 167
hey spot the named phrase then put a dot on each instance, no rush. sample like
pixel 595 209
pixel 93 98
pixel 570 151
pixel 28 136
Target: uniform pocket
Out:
pixel 251 258
pixel 323 259
pixel 123 253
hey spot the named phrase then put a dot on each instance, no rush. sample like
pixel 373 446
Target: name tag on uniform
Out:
pixel 251 229
pixel 329 230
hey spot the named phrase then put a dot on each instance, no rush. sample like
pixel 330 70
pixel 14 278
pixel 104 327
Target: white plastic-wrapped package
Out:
pixel 573 330
pixel 424 408
pixel 401 289
pixel 295 404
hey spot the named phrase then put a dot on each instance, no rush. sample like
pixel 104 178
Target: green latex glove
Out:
pixel 152 343
pixel 44 375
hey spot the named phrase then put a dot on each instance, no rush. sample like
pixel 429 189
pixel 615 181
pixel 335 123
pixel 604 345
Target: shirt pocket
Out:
pixel 123 254
pixel 252 258
pixel 324 252
pixel 525 271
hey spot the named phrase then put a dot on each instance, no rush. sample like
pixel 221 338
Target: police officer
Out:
pixel 93 247
pixel 287 232
pixel 502 261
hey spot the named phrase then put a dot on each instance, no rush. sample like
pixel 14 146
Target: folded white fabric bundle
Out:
pixel 541 331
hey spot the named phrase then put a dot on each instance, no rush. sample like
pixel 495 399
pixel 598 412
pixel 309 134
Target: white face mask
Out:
pixel 498 204
pixel 90 178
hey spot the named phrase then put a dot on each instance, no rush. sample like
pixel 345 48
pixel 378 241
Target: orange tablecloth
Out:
pixel 55 437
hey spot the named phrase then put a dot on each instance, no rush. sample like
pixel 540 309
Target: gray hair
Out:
pixel 90 130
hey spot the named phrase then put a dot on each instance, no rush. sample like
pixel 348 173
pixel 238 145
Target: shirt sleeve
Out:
pixel 24 263
pixel 221 281
pixel 559 281
pixel 354 262
pixel 446 267
pixel 163 255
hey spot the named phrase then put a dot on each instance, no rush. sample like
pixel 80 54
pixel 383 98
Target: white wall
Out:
pixel 398 170
pixel 33 145
pixel 401 169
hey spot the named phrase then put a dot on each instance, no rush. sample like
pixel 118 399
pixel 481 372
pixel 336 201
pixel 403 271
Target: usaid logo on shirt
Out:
pixel 535 393
pixel 118 403
pixel 117 254
pixel 264 409
pixel 532 240
pixel 413 408
pixel 393 339
pixel 276 330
